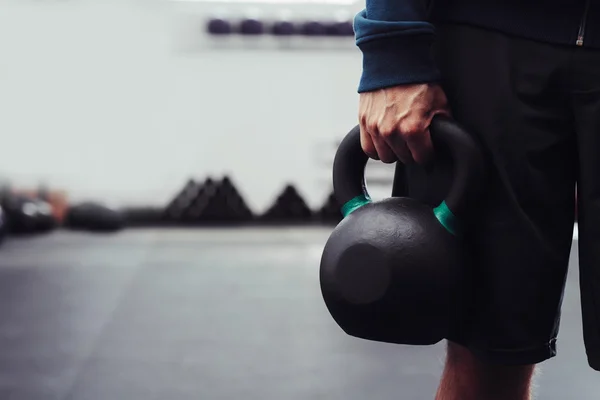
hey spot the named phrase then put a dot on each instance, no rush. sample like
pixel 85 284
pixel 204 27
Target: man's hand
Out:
pixel 394 122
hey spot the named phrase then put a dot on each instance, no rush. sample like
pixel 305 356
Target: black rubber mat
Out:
pixel 210 315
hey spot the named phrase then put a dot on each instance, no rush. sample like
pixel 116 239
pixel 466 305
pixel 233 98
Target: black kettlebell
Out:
pixel 394 270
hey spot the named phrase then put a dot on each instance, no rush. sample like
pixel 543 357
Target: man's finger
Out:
pixel 400 148
pixel 366 142
pixel 384 151
pixel 420 146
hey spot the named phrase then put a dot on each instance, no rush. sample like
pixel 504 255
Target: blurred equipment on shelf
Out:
pixel 283 28
pixel 194 208
pixel 251 26
pixel 94 217
pixel 26 214
pixel 59 202
pixel 44 220
pixel 330 213
pixel 56 199
pixel 314 28
pixel 219 203
pixel 218 26
pixel 181 202
pixel 210 203
pixel 143 216
pixel 289 208
pixel 344 28
pixel 3 227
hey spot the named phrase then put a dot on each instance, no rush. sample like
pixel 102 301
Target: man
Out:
pixel 523 76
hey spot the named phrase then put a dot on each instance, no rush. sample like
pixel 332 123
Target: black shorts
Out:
pixel 535 107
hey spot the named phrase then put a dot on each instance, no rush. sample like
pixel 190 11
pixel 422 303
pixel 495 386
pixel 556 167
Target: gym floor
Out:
pixel 210 314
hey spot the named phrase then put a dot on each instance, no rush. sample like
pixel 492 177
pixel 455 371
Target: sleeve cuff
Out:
pixel 395 60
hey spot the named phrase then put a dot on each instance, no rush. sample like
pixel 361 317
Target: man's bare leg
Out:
pixel 467 378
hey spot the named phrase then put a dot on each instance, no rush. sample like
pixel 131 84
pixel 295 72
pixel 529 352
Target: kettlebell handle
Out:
pixel 350 161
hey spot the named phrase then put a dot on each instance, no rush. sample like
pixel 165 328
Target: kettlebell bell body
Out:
pixel 395 270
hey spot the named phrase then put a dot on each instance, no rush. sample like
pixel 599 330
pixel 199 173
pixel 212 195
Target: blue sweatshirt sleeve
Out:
pixel 395 39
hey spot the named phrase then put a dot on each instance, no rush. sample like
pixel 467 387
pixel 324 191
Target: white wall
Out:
pixel 122 101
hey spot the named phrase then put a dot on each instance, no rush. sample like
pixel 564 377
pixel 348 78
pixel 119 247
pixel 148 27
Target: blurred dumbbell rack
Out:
pixel 202 26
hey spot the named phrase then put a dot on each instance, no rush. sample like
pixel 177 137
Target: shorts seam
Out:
pixel 546 345
pixel 521 356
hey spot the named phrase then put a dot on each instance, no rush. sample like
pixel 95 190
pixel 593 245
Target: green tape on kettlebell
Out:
pixel 354 204
pixel 446 217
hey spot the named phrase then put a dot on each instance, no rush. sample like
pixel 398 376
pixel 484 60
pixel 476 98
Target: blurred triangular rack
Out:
pixel 210 203
pixel 289 208
pixel 218 202
pixel 330 213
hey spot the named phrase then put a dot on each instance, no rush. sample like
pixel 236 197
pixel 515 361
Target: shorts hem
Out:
pixel 523 356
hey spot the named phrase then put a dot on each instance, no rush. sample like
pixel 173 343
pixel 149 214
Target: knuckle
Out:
pixel 387 131
pixel 372 125
pixel 412 129
pixel 362 119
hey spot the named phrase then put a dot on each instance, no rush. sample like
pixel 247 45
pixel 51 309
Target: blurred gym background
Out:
pixel 165 187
